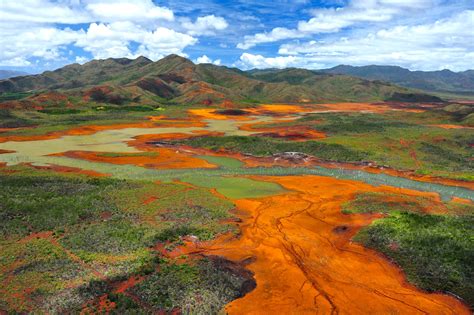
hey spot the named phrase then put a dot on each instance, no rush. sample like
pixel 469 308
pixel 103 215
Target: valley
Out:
pixel 205 196
pixel 176 193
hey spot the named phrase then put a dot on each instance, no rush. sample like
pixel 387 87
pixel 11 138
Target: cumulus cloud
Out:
pixel 206 59
pixel 330 20
pixel 114 28
pixel 276 34
pixel 126 10
pixel 446 43
pixel 205 25
pixel 81 60
pixel 164 41
pixel 42 11
pixel 251 61
pixel 86 11
pixel 20 44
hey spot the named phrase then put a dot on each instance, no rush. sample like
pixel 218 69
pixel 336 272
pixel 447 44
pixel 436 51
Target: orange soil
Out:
pixel 141 141
pixel 211 113
pixel 251 161
pixel 265 109
pixel 462 200
pixel 446 126
pixel 166 159
pixel 281 109
pixel 91 129
pixel 67 169
pixel 295 133
pixel 357 107
pixel 305 262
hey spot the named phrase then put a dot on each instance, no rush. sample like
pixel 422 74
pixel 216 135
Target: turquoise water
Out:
pixel 227 179
pixel 231 183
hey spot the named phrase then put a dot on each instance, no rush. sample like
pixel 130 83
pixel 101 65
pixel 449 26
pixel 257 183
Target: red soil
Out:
pixel 369 107
pixel 295 133
pixel 211 113
pixel 142 140
pixel 305 261
pixel 166 159
pixel 67 169
pixel 91 129
pixel 446 126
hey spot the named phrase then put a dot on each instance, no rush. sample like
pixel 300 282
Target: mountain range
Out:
pixel 177 80
pixel 439 81
pixel 6 74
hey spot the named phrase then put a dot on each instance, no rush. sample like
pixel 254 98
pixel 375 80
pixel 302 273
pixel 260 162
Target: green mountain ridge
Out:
pixel 175 79
pixel 441 81
pixel 6 74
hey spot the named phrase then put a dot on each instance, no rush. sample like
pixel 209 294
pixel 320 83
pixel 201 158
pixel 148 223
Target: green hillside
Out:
pixel 176 80
pixel 441 81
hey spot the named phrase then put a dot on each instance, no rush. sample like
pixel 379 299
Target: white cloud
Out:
pixel 86 11
pixel 251 61
pixel 164 41
pixel 116 28
pixel 276 34
pixel 447 43
pixel 21 42
pixel 81 60
pixel 206 59
pixel 205 25
pixel 113 40
pixel 42 11
pixel 126 10
pixel 332 20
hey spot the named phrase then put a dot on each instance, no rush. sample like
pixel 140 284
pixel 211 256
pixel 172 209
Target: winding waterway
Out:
pixel 289 215
pixel 38 152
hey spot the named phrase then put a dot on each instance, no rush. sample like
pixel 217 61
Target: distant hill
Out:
pixel 176 80
pixel 5 74
pixel 440 81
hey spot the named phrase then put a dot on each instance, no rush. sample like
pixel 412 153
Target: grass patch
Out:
pixel 435 251
pixel 36 268
pixel 203 288
pixel 60 111
pixel 9 120
pixel 375 202
pixel 13 96
pixel 349 123
pixel 109 225
pixel 35 203
pixel 261 146
pixel 114 237
pixel 138 154
pixel 398 139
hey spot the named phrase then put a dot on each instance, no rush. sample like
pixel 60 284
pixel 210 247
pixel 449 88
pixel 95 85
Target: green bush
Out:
pixel 262 146
pixel 34 204
pixel 60 111
pixel 203 288
pixel 435 251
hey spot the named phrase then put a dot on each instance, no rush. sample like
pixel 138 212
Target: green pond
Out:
pixel 229 179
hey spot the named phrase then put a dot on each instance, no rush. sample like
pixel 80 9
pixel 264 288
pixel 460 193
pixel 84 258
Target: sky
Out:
pixel 39 35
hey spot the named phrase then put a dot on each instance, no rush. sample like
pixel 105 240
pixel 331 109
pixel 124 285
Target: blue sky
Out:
pixel 38 35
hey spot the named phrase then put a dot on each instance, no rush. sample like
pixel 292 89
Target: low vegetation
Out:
pixel 434 250
pixel 202 288
pixel 263 146
pixel 401 140
pixel 65 238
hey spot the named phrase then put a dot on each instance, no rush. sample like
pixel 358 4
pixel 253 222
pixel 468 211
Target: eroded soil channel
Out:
pixel 293 233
